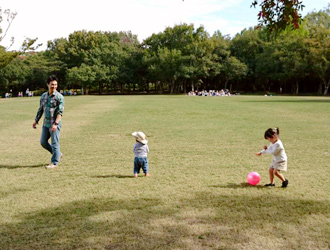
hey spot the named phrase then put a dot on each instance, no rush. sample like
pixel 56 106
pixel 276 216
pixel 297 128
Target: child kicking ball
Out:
pixel 280 158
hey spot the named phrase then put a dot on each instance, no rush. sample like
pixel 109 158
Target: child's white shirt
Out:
pixel 277 150
pixel 140 150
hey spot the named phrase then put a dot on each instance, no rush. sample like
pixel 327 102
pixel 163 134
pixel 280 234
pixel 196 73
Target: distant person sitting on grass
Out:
pixel 280 158
pixel 52 106
pixel 141 151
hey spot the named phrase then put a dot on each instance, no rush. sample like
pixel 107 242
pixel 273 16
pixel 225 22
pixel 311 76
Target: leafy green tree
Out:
pixel 13 76
pixel 40 66
pixel 83 75
pixel 28 70
pixel 246 46
pixel 166 48
pixel 292 55
pixel 201 58
pixel 165 67
pixel 223 66
pixel 268 66
pixel 184 50
pixel 318 26
pixel 6 57
pixel 101 54
pixel 129 61
pixel 233 69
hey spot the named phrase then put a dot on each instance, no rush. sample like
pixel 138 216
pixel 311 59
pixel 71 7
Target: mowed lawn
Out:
pixel 197 197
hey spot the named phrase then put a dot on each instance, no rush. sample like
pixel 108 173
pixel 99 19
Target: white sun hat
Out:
pixel 141 137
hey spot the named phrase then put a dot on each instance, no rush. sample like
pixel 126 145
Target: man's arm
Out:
pixel 59 114
pixel 39 114
pixel 57 121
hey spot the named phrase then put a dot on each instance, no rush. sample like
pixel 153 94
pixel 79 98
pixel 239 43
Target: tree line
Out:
pixel 180 59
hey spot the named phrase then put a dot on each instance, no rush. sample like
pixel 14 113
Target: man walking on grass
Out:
pixel 52 106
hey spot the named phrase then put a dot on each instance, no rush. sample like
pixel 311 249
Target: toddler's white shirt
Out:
pixel 277 150
pixel 140 150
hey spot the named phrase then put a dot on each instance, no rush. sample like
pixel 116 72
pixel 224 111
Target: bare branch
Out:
pixel 10 17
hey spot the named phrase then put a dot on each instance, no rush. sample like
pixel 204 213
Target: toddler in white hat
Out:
pixel 141 151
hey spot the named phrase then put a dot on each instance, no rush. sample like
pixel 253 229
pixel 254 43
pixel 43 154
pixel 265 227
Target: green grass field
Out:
pixel 201 149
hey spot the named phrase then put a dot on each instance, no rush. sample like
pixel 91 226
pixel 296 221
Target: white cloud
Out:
pixel 49 20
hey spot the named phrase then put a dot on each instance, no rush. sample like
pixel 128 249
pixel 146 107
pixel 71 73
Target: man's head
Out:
pixel 52 84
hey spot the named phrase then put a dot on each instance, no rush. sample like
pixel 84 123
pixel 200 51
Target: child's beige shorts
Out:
pixel 283 165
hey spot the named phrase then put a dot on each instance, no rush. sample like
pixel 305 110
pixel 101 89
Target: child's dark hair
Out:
pixel 271 132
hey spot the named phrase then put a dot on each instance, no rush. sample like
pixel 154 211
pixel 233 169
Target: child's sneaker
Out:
pixel 285 183
pixel 270 185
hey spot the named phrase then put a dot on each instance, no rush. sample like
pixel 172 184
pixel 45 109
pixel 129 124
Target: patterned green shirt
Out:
pixel 51 106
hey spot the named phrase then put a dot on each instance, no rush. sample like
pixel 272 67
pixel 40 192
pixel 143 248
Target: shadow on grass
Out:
pixel 23 166
pixel 322 100
pixel 113 176
pixel 236 186
pixel 186 224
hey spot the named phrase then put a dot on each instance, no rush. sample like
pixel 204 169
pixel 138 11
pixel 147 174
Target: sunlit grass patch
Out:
pixel 197 197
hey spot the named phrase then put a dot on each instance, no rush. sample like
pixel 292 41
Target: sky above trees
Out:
pixel 143 18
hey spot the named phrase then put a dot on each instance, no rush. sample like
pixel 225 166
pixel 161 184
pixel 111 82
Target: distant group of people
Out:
pixel 28 93
pixel 68 92
pixel 222 92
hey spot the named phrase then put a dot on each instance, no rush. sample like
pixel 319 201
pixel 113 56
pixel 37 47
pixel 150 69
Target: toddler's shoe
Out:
pixel 270 185
pixel 285 183
pixel 51 166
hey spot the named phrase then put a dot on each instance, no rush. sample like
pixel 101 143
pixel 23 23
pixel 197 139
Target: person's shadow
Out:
pixel 22 166
pixel 113 176
pixel 237 186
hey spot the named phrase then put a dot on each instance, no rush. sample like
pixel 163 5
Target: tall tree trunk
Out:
pixel 295 88
pixel 226 82
pixel 326 88
pixel 107 88
pixel 319 91
pixel 147 87
pixel 254 88
pixel 100 88
pixel 172 87
pixel 177 88
pixel 192 85
pixel 161 87
pixel 184 86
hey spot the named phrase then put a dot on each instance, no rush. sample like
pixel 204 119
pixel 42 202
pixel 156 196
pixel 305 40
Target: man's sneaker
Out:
pixel 270 185
pixel 285 183
pixel 51 166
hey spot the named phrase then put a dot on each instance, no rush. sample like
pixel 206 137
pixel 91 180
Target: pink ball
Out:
pixel 253 178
